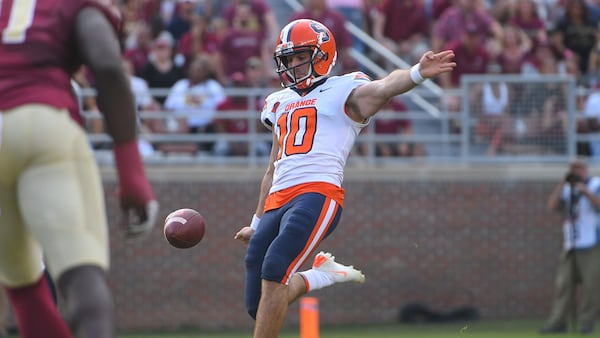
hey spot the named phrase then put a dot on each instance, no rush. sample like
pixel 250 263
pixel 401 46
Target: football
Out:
pixel 184 228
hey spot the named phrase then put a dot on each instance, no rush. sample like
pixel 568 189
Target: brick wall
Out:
pixel 443 240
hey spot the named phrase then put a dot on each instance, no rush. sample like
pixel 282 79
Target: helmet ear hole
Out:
pixel 320 55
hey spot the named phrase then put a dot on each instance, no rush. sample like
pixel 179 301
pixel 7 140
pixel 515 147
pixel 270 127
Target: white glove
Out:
pixel 141 225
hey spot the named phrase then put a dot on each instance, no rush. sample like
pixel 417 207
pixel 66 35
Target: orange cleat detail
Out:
pixel 325 262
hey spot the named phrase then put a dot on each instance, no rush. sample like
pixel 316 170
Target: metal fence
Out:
pixel 491 118
pixel 518 118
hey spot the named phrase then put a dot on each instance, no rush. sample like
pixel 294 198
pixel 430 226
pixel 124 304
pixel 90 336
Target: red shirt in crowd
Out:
pixel 414 20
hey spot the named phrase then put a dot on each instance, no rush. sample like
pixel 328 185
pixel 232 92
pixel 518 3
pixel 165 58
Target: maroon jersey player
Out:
pixel 51 198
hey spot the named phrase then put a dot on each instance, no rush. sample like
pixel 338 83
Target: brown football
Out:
pixel 184 228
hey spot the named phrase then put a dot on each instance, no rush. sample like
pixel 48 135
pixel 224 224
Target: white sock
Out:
pixel 316 279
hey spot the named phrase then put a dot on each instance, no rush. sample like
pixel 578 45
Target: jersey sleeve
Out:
pixel 345 84
pixel 267 115
pixel 360 78
pixel 351 82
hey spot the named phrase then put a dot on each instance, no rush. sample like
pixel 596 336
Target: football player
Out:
pixel 51 196
pixel 314 122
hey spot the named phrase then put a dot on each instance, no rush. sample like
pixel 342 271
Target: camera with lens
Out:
pixel 573 178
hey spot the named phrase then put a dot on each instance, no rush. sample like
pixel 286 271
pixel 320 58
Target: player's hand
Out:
pixel 433 64
pixel 244 234
pixel 138 205
pixel 140 221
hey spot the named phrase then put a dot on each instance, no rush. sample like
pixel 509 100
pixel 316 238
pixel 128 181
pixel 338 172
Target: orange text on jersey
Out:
pixel 298 104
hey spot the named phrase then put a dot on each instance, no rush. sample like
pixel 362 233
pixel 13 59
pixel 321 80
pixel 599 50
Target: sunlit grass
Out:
pixel 474 329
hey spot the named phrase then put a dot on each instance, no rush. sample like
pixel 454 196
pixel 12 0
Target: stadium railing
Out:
pixel 539 124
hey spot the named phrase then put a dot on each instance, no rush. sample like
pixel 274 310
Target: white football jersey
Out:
pixel 314 132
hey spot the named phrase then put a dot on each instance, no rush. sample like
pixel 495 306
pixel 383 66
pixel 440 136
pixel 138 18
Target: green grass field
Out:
pixel 476 329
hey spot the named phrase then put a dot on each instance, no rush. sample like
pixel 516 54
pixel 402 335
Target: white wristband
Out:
pixel 415 74
pixel 255 221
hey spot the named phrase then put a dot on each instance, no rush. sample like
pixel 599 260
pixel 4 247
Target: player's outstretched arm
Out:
pixel 366 100
pixel 99 48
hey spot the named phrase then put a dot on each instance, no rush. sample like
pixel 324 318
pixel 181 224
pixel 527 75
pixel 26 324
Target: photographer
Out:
pixel 577 196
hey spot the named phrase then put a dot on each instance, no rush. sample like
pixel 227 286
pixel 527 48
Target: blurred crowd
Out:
pixel 193 50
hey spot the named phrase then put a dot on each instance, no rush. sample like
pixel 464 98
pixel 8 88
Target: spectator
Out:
pixel 577 197
pixel 161 72
pixel 501 10
pixel 219 27
pixel 243 40
pixel 144 102
pixel 216 8
pixel 239 126
pixel 470 55
pixel 527 18
pixel 455 20
pixel 594 8
pixel 201 40
pixel 181 21
pixel 196 98
pixel 542 59
pixel 138 46
pixel 542 105
pixel 335 21
pixel 515 48
pixel 471 58
pixel 551 133
pixel 550 11
pixel 94 124
pixel 353 11
pixel 570 66
pixel 591 111
pixel 262 18
pixel 592 76
pixel 132 16
pixel 158 12
pixel 391 122
pixel 370 7
pixel 575 31
pixel 407 38
pixel 436 8
pixel 532 97
pixel 255 77
pixel 495 109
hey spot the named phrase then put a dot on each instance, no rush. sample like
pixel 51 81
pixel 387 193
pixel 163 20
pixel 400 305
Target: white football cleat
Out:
pixel 325 262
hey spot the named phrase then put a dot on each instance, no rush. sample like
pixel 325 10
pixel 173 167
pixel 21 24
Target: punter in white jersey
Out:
pixel 314 121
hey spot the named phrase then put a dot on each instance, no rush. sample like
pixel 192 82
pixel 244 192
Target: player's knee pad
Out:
pixel 275 267
pixel 251 260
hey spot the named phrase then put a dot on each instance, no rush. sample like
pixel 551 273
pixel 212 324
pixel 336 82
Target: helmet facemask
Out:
pixel 288 75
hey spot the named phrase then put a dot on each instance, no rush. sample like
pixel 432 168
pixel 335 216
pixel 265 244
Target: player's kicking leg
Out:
pixel 326 271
